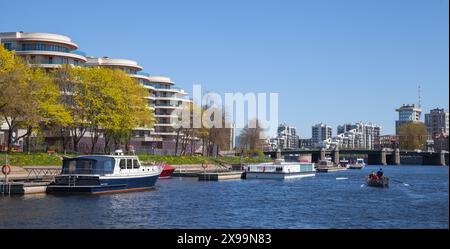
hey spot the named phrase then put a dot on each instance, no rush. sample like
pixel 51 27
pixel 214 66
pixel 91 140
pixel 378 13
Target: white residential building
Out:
pixel 407 114
pixel 320 133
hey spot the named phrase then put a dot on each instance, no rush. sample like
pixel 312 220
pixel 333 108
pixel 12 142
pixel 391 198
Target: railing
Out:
pixel 143 74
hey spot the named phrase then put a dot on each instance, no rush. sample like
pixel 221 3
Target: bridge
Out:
pixel 374 157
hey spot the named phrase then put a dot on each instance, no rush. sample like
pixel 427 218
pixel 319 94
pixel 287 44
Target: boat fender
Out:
pixel 6 169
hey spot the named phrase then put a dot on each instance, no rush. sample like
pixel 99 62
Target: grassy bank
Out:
pixel 43 159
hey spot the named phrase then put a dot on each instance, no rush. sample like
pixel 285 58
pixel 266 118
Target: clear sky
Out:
pixel 330 61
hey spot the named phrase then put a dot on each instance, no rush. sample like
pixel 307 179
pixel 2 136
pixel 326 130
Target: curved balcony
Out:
pixel 165 116
pixel 161 133
pixel 51 53
pixel 110 62
pixel 171 90
pixel 173 98
pixel 161 79
pixel 45 38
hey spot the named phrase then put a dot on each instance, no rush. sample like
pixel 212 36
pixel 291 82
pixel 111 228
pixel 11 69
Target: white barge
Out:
pixel 280 170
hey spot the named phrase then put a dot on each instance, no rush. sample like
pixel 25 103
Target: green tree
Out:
pixel 28 97
pixel 412 136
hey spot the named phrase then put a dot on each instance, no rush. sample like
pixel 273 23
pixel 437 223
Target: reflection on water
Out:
pixel 329 200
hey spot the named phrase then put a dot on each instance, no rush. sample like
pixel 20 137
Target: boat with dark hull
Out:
pixel 104 174
pixel 382 182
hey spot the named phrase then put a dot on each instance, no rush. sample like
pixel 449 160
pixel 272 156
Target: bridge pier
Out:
pixel 335 156
pixel 322 154
pixel 378 158
pixel 393 158
pixel 278 155
pixel 434 158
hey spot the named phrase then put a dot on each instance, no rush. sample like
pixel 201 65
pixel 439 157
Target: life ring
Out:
pixel 6 169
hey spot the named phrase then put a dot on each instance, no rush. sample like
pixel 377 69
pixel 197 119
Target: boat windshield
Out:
pixel 88 165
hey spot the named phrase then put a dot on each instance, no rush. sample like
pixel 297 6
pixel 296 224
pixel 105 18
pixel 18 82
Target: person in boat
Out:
pixel 373 176
pixel 380 173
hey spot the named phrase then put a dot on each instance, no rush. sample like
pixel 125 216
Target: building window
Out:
pixel 50 60
pixel 8 46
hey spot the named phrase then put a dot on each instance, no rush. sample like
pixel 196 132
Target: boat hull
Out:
pixel 107 185
pixel 379 183
pixel 356 167
pixel 330 169
pixel 275 175
pixel 167 173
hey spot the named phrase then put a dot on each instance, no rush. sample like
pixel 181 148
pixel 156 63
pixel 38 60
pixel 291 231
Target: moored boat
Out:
pixel 344 163
pixel 280 170
pixel 104 174
pixel 328 166
pixel 167 172
pixel 360 164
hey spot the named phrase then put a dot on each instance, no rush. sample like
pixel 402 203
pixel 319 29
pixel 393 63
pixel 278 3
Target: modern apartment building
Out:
pixel 286 138
pixel 437 122
pixel 407 114
pixel 43 49
pixel 51 51
pixel 134 70
pixel 162 97
pixel 358 135
pixel 320 133
pixel 167 100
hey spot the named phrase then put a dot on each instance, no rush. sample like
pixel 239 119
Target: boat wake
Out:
pixel 341 178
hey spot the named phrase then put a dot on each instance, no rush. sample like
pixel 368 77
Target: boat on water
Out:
pixel 167 172
pixel 280 170
pixel 378 182
pixel 360 164
pixel 344 163
pixel 326 166
pixel 104 174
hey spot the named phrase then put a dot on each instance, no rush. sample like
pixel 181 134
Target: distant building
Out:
pixel 286 138
pixel 387 141
pixel 305 143
pixel 320 133
pixel 437 122
pixel 407 114
pixel 358 136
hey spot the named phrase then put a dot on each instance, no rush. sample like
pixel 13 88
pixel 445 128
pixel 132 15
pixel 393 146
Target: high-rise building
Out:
pixel 320 133
pixel 407 114
pixel 286 138
pixel 437 122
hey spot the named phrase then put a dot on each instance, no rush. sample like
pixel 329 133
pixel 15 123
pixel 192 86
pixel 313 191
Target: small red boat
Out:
pixel 167 172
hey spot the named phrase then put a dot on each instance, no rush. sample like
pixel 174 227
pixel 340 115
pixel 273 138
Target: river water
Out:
pixel 416 198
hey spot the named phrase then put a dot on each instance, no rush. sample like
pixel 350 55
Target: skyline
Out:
pixel 388 47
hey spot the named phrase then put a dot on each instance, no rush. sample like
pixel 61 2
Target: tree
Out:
pixel 28 96
pixel 251 137
pixel 412 136
pixel 125 109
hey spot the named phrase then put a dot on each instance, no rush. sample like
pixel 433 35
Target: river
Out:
pixel 416 198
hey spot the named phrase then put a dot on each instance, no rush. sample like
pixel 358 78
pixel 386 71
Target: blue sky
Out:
pixel 330 61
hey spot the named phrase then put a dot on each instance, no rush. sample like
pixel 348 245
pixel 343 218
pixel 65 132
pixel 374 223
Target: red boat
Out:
pixel 167 172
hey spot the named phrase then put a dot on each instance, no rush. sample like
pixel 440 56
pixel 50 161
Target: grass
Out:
pixel 43 159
